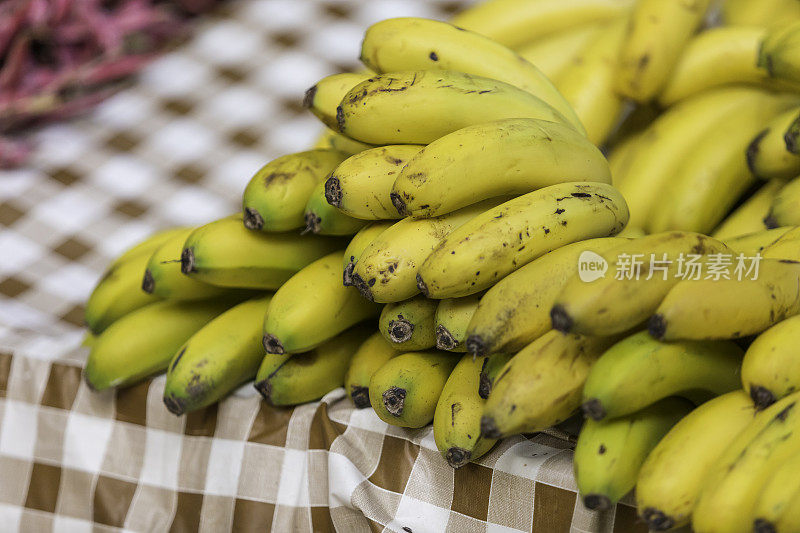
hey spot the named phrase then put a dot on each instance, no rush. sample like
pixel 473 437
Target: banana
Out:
pixel 306 377
pixel 226 254
pixel 755 243
pixel 785 207
pixel 410 43
pixel 770 369
pixel 610 453
pixel 727 500
pixel 786 247
pixel 715 174
pixel 780 52
pixel 387 268
pixel 762 13
pixel 147 246
pixel 495 243
pixel 405 390
pixel 360 186
pixel 312 307
pixel 516 310
pixel 712 309
pixel 790 519
pixel 88 340
pixel 142 342
pixel 457 418
pixel 673 473
pixel 777 496
pixel 215 360
pixel 621 155
pixel 541 385
pixel 324 219
pixel 333 140
pixel 792 137
pixel 657 34
pixel 749 216
pixel 608 305
pixel 767 155
pixel 512 156
pixel 410 324
pixel 639 370
pixel 163 276
pixel 372 354
pixel 418 107
pixel 588 82
pixel 452 318
pixel 357 245
pixel 553 54
pixel 516 22
pixel 492 365
pixel 276 196
pixel 323 97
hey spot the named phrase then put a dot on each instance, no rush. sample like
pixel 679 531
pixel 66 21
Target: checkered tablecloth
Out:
pixel 178 147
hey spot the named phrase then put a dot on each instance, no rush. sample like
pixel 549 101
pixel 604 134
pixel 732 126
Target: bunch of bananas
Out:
pixel 451 203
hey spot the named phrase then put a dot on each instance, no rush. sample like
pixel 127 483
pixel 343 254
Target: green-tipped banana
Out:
pixel 610 453
pixel 306 377
pixel 755 243
pixel 492 365
pixel 372 354
pixel 410 43
pixel 142 342
pixel 771 368
pixel 786 247
pixel 516 311
pixel 357 245
pixel 418 107
pixel 495 243
pixel 639 370
pixel 360 187
pixel 780 52
pixel 457 419
pixel 323 97
pixel 410 324
pixel 512 156
pixel 767 155
pixel 673 474
pixel 777 496
pixel 452 318
pixel 553 54
pixel 275 199
pixel 405 390
pixel 541 385
pixel 226 254
pixel 324 219
pixel 333 140
pixel 785 207
pixel 312 307
pixel 749 217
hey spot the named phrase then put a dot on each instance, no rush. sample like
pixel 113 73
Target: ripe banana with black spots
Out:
pixel 492 365
pixel 323 97
pixel 457 419
pixel 410 325
pixel 771 369
pixel 541 385
pixel 786 247
pixel 324 219
pixel 410 43
pixel 785 207
pixel 142 342
pixel 749 216
pixel 333 140
pixel 516 310
pixel 777 497
pixel 358 244
pixel 708 309
pixel 405 390
pixel 673 473
pixel 312 307
pixel 554 53
pixel 418 107
pixel 609 454
pixel 215 360
pixel 755 243
pixel 360 186
pixel 452 318
pixel 780 52
pixel 484 250
pixel 305 377
pixel 226 254
pixel 513 156
pixel 657 34
pixel 767 155
pixel 639 370
pixel 372 354
pixel 609 305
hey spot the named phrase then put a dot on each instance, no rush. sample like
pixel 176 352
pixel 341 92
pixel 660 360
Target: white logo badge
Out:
pixel 591 266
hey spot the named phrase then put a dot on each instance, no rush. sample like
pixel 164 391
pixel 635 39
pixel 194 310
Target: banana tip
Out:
pixel 790 139
pixel 360 396
pixel 394 399
pixel 657 326
pixel 187 261
pixel 272 344
pixel 313 223
pixel 347 274
pixel 148 283
pixel 308 97
pixel 445 339
pixel 762 397
pixel 752 151
pixel 399 204
pixel 597 502
pixel 362 286
pixel 560 319
pixel 174 405
pixel 400 330
pixel 593 409
pixel 761 525
pixel 657 520
pixel 422 286
pixel 263 387
pixel 457 457
pixel 770 221
pixel 484 386
pixel 340 119
pixel 252 219
pixel 489 428
pixel 333 191
pixel 476 346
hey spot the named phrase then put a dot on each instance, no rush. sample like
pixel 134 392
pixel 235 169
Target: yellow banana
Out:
pixel 780 52
pixel 790 519
pixel 360 186
pixel 88 339
pixel 492 365
pixel 610 453
pixel 657 34
pixel 372 354
pixel 552 54
pixel 639 370
pixel 457 419
pixel 771 369
pixel 621 155
pixel 222 355
pixel 312 307
pixel 755 243
pixel 777 496
pixel 609 305
pixel 306 377
pixel 452 318
pixel 333 140
pixel 672 475
pixel 405 390
pixel 410 325
pixel 749 216
pixel 712 308
pixel 357 245
pixel 323 97
pixel 785 207
pixel 792 137
pixel 410 43
pixel 512 156
pixel 762 13
pixel 786 247
pixel 418 107
pixel 767 155
pixel 324 219
pixel 226 254
pixel 495 243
